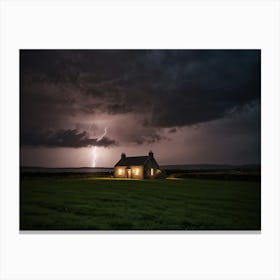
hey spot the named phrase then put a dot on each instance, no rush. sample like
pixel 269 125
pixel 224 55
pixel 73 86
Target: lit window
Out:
pixel 152 171
pixel 137 171
pixel 120 171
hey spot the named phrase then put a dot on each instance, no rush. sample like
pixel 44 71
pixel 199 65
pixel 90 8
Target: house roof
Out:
pixel 132 161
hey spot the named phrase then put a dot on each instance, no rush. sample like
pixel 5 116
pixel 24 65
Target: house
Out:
pixel 143 167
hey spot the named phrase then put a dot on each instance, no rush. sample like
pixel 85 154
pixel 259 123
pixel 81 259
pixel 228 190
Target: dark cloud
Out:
pixel 170 84
pixel 63 138
pixel 61 89
pixel 150 138
pixel 172 130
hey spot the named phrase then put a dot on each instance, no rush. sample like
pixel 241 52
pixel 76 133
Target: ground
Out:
pixel 112 204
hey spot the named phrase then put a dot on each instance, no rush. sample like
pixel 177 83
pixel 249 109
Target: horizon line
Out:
pixel 163 165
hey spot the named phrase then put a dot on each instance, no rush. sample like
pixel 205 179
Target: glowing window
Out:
pixel 120 172
pixel 152 171
pixel 137 171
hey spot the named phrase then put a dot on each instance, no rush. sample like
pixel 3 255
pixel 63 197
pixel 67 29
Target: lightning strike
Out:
pixel 94 149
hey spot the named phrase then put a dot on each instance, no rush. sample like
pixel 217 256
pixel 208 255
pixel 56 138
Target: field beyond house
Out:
pixel 57 203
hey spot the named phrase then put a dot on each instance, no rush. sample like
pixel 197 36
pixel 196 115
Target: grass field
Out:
pixel 108 204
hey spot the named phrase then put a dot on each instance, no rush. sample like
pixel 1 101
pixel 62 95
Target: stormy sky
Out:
pixel 188 106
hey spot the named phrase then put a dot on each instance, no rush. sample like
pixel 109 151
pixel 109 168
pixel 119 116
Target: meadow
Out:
pixel 57 203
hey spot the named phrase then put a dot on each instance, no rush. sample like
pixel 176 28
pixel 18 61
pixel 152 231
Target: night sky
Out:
pixel 188 106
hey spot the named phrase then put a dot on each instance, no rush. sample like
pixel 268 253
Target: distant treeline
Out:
pixel 231 175
pixel 61 175
pixel 216 175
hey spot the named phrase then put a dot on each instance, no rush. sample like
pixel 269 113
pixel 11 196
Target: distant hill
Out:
pixel 29 169
pixel 179 167
pixel 211 167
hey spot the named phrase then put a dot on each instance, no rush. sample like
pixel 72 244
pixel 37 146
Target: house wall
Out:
pixel 148 166
pixel 137 172
pixel 120 172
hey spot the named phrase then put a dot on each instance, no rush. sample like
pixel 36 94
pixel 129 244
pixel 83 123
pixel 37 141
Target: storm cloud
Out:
pixel 67 97
pixel 172 87
pixel 63 138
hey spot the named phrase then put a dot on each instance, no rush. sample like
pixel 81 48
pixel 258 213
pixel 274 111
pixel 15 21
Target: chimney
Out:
pixel 123 156
pixel 151 154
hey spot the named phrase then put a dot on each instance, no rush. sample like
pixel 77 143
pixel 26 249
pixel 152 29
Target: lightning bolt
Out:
pixel 94 149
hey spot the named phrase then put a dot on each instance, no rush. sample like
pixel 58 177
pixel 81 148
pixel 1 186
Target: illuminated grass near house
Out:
pixel 94 204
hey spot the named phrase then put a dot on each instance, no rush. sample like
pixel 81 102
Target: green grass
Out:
pixel 107 204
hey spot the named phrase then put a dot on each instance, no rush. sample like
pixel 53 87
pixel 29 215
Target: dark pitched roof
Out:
pixel 132 161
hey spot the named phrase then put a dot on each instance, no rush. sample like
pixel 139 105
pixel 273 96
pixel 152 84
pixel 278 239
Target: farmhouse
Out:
pixel 143 167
